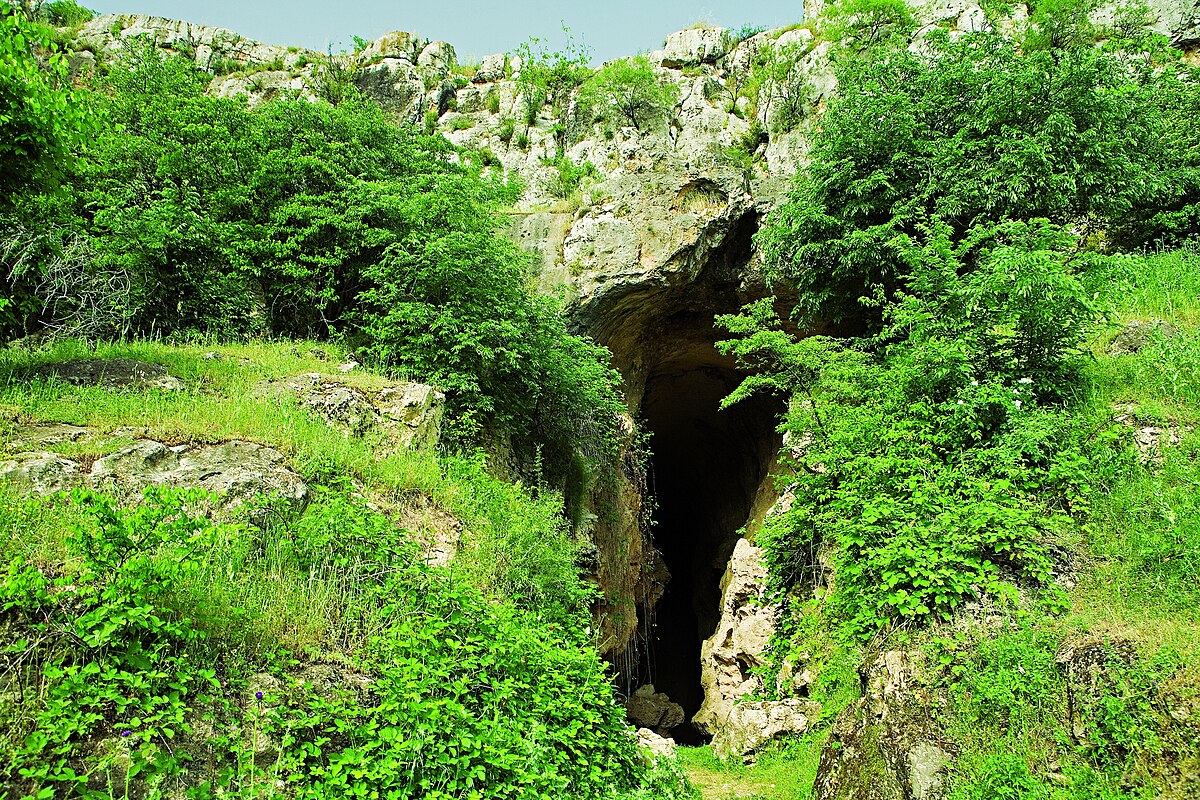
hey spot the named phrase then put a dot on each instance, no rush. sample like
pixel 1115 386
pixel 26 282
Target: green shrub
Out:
pixel 567 175
pixel 465 696
pixel 67 14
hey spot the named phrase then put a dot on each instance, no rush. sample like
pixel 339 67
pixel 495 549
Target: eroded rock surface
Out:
pixel 408 414
pixel 751 726
pixel 739 643
pixel 886 746
pixel 236 470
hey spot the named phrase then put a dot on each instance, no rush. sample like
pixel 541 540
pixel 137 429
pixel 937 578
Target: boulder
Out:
pixel 696 46
pixel 399 45
pixel 111 373
pixel 491 69
pixel 1133 337
pixel 438 56
pixel 655 746
pixel 409 414
pixel 739 644
pixel 654 710
pixel 395 85
pixel 750 726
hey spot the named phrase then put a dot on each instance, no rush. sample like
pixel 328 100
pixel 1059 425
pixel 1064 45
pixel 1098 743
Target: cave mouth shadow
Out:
pixel 710 470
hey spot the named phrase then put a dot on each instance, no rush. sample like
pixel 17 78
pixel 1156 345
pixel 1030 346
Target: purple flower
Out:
pixel 125 733
pixel 258 695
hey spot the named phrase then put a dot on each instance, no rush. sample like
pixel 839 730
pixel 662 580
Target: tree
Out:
pixel 631 88
pixel 970 131
pixel 42 118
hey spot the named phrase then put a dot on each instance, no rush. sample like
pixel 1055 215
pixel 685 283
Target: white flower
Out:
pixel 1017 404
pixel 974 383
pixel 960 402
pixel 1025 380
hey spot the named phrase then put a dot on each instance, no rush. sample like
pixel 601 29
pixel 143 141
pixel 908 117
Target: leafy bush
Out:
pixel 979 130
pixel 303 219
pixel 567 175
pixel 548 76
pixel 44 119
pixel 67 14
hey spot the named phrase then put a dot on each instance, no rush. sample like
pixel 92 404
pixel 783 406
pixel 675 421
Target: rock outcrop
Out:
pixel 236 471
pixel 751 726
pixel 113 373
pixel 886 746
pixel 406 414
pixel 739 644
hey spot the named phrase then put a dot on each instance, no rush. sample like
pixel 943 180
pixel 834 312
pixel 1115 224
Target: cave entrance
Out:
pixel 710 473
pixel 710 468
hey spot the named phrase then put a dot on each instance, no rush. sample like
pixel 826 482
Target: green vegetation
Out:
pixel 196 215
pixel 631 89
pixel 966 441
pixel 549 76
pixel 43 120
pixel 143 634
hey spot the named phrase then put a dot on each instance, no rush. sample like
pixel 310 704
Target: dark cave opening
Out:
pixel 709 467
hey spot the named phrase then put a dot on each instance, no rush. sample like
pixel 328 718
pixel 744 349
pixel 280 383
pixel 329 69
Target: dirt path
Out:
pixel 725 786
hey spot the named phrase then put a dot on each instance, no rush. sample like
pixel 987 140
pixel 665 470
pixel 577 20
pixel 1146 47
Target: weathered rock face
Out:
pixel 700 45
pixel 39 473
pixel 407 414
pixel 207 45
pixel 886 746
pixel 739 644
pixel 236 470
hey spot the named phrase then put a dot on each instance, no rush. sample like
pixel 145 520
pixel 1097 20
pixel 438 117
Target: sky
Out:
pixel 609 28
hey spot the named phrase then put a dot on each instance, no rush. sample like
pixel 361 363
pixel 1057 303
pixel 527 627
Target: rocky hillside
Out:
pixel 908 568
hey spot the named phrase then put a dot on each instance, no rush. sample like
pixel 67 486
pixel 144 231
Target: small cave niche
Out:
pixel 709 467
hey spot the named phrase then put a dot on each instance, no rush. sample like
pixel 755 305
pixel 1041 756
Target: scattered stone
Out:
pixel 656 746
pixel 111 373
pixel 349 366
pixel 654 710
pixel 1150 440
pixel 34 437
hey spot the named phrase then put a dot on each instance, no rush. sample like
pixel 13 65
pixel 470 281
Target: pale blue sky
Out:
pixel 475 27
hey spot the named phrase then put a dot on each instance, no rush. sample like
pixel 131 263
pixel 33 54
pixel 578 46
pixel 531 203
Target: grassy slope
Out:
pixel 311 586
